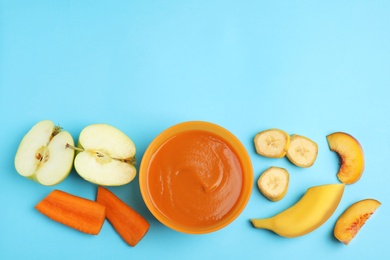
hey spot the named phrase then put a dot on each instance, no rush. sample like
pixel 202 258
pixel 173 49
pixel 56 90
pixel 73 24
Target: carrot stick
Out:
pixel 81 214
pixel 130 225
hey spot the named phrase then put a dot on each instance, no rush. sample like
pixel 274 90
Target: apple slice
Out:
pixel 42 155
pixel 302 151
pixel 272 143
pixel 353 218
pixel 105 156
pixel 351 156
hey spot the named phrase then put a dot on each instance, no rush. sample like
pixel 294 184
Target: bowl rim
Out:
pixel 233 142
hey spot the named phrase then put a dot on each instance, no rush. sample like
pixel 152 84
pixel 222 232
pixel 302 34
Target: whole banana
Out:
pixel 309 213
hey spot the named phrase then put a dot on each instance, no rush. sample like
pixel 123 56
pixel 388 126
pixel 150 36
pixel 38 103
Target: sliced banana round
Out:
pixel 273 183
pixel 302 151
pixel 272 143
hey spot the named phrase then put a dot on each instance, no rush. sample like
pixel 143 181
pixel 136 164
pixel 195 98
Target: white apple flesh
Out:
pixel 42 155
pixel 105 156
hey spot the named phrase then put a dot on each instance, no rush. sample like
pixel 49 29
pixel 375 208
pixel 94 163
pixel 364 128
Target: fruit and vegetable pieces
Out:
pixel 130 225
pixel 81 214
pixel 105 156
pixel 272 143
pixel 302 151
pixel 309 213
pixel 273 183
pixel 353 218
pixel 42 155
pixel 350 154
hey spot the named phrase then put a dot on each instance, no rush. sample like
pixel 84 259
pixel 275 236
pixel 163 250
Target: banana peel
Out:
pixel 308 214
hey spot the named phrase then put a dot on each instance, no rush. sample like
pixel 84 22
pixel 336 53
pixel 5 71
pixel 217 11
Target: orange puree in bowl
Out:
pixel 195 178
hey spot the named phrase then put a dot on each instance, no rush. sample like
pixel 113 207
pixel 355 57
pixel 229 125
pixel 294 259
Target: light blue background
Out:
pixel 308 67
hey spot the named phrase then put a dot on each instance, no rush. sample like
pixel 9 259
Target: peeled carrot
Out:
pixel 81 214
pixel 130 225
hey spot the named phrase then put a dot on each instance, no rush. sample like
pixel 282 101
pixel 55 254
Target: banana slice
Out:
pixel 302 151
pixel 272 143
pixel 273 183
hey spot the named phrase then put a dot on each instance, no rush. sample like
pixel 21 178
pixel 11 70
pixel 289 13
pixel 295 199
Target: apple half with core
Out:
pixel 351 156
pixel 105 156
pixel 42 155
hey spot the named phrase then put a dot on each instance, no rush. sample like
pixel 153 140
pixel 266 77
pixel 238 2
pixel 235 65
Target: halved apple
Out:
pixel 353 218
pixel 42 155
pixel 106 156
pixel 351 156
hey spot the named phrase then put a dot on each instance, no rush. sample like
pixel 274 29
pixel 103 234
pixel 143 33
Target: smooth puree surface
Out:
pixel 195 178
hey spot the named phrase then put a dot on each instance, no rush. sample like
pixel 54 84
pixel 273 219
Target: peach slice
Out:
pixel 351 156
pixel 353 218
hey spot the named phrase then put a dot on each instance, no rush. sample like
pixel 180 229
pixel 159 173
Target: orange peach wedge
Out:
pixel 350 222
pixel 351 156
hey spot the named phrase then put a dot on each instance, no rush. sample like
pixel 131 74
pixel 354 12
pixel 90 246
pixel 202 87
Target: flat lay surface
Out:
pixel 310 69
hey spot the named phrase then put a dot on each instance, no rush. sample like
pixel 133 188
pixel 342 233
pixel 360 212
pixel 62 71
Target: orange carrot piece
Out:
pixel 81 214
pixel 130 225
